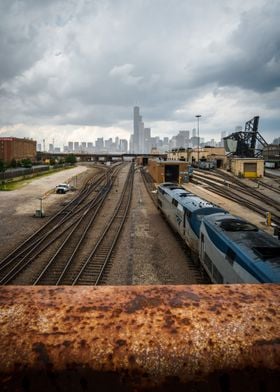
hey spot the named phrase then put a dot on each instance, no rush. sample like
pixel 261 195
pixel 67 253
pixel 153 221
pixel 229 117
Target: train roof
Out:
pixel 258 250
pixel 187 199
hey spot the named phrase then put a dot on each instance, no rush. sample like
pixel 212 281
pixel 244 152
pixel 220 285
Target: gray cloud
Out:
pixel 87 63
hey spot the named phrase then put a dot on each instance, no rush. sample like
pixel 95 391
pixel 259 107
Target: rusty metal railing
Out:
pixel 198 338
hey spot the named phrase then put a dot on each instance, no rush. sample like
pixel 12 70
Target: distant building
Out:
pixel 99 144
pixel 139 140
pixel 147 140
pixel 76 146
pixel 183 139
pixel 15 148
pixel 70 146
pixel 90 148
pixel 123 145
pixel 83 147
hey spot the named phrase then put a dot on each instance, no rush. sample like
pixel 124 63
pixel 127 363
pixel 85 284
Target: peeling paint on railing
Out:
pixel 208 337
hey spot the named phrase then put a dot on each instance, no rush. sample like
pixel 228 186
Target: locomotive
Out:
pixel 230 249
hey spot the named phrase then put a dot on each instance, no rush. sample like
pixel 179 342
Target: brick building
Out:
pixel 15 148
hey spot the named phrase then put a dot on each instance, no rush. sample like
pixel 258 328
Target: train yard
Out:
pixel 99 235
pixel 251 194
pixel 58 253
pixel 80 245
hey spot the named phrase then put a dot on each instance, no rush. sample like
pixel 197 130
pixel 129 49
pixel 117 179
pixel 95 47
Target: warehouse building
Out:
pixel 12 148
pixel 168 171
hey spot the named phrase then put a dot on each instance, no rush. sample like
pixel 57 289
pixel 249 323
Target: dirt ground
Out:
pixel 148 251
pixel 17 207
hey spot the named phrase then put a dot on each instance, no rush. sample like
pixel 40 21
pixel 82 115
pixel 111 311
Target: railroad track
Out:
pixel 149 185
pixel 94 267
pixel 47 242
pixel 273 176
pixel 238 195
pixel 268 186
pixel 236 186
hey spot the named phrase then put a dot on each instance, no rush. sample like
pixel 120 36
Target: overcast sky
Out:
pixel 74 69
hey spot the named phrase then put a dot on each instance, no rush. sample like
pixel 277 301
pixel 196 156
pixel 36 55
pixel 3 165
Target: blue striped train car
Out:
pixel 230 249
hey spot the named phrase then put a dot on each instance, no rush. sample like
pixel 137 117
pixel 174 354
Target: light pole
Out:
pixel 197 116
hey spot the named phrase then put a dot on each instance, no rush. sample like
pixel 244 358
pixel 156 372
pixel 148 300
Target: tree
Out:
pixel 71 159
pixel 13 163
pixel 26 163
pixel 2 166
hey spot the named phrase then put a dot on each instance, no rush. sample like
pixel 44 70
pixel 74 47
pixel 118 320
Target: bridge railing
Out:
pixel 198 338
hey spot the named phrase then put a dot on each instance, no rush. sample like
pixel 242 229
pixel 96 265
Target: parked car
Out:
pixel 62 188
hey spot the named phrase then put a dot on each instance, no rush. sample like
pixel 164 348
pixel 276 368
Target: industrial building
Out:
pixel 168 171
pixel 12 148
pixel 211 154
pixel 247 167
pixel 271 155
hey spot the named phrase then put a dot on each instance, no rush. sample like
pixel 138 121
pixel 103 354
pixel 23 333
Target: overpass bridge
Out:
pixel 97 157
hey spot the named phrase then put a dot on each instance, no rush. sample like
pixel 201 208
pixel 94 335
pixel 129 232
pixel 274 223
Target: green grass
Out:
pixel 11 185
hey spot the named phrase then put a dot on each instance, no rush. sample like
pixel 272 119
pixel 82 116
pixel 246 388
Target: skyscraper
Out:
pixel 136 128
pixel 138 132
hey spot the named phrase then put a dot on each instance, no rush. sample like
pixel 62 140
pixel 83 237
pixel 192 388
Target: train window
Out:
pixel 216 275
pixel 174 202
pixel 237 225
pixel 230 255
pixel 265 252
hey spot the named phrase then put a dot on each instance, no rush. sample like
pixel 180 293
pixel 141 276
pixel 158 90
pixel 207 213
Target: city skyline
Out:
pixel 73 70
pixel 141 140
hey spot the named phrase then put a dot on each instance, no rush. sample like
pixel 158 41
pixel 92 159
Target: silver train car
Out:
pixel 230 249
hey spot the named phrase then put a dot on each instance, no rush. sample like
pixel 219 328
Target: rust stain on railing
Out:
pixel 134 338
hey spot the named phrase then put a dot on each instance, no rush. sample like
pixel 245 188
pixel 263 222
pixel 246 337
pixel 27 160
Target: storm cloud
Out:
pixel 75 69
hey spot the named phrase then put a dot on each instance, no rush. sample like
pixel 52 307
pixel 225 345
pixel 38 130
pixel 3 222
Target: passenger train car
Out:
pixel 230 249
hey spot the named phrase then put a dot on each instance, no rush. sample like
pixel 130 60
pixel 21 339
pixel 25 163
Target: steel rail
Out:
pixel 27 249
pixel 243 187
pixel 149 185
pixel 86 219
pixel 268 186
pixel 60 214
pixel 275 177
pixel 98 258
pixel 238 199
pixel 92 185
pixel 24 262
